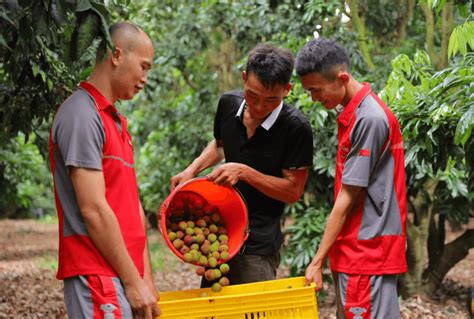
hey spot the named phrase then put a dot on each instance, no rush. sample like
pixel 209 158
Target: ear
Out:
pixel 117 55
pixel 288 88
pixel 244 76
pixel 344 77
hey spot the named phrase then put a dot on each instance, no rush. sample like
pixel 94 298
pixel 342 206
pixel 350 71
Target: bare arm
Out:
pixel 148 271
pixel 343 205
pixel 89 186
pixel 288 188
pixel 210 156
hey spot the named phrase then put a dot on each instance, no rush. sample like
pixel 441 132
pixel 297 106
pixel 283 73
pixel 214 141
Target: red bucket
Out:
pixel 228 200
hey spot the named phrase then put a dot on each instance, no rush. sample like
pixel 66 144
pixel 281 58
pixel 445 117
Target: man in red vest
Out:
pixel 103 254
pixel 365 234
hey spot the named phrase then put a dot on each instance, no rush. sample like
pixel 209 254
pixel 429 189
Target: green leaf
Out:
pixel 83 5
pixel 86 31
pixel 57 9
pixel 40 19
pixel 453 43
pixel 101 10
pixel 410 154
pixel 464 127
pixel 104 21
pixel 464 10
pixel 461 37
pixel 438 5
pixel 35 68
pixel 4 43
pixel 5 17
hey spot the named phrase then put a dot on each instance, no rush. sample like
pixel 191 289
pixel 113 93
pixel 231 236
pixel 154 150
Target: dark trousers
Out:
pixel 249 268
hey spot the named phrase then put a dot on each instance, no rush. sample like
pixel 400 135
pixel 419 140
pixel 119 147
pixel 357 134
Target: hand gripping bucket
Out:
pixel 228 200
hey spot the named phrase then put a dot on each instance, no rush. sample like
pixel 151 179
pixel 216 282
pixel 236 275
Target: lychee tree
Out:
pixel 436 113
pixel 45 47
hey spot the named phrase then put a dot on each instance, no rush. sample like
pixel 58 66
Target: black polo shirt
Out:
pixel 285 144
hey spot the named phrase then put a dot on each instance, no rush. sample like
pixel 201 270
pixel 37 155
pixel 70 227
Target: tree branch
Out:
pixel 430 29
pixel 436 237
pixel 405 21
pixel 187 78
pixel 453 252
pixel 446 29
pixel 361 37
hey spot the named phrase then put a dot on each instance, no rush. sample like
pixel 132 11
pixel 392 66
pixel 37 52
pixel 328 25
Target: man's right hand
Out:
pixel 142 300
pixel 180 178
pixel 314 273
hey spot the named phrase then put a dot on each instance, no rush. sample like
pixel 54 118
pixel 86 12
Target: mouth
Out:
pixel 324 102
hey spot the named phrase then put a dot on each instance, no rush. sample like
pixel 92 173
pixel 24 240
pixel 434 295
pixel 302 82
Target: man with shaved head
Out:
pixel 103 253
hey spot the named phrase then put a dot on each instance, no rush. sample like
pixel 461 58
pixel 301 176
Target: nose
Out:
pixel 254 103
pixel 144 77
pixel 314 97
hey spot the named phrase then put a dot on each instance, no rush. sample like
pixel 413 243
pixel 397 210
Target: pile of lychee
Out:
pixel 197 230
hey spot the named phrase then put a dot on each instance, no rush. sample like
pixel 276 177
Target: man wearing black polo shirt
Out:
pixel 267 146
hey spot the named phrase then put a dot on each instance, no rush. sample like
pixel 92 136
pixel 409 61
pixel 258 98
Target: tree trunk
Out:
pixel 223 61
pixel 417 238
pixel 430 30
pixel 411 280
pixel 436 237
pixel 446 29
pixel 405 22
pixel 359 25
pixel 453 252
pixel 425 234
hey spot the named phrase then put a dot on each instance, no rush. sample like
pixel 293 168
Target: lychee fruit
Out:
pixel 224 268
pixel 224 281
pixel 216 287
pixel 178 243
pixel 200 271
pixel 182 225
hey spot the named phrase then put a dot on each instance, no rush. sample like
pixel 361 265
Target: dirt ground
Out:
pixel 28 288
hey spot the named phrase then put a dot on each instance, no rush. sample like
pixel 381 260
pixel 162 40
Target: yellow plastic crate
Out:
pixel 282 298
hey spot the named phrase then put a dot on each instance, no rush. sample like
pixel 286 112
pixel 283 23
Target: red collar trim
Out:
pixel 101 100
pixel 350 108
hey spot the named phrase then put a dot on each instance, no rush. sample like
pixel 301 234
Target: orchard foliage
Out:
pixel 436 112
pixel 28 172
pixel 44 46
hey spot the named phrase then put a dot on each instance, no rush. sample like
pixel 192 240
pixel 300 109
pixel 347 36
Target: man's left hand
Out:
pixel 227 174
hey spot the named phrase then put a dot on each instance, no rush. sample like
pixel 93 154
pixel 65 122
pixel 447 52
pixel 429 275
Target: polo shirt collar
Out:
pixel 350 108
pixel 269 121
pixel 100 100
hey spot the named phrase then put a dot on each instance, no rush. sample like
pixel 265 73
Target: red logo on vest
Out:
pixel 364 153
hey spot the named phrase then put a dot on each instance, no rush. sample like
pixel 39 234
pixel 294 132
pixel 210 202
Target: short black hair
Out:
pixel 271 65
pixel 322 56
